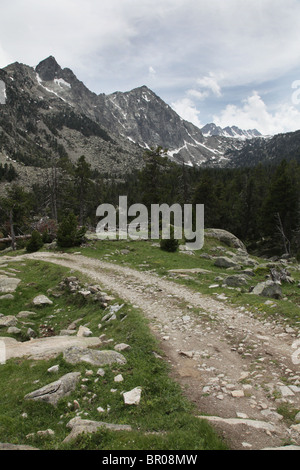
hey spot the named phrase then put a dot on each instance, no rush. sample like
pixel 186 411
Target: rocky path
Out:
pixel 237 369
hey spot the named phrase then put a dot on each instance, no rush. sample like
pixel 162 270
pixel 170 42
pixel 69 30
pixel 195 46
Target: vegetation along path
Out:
pixel 239 370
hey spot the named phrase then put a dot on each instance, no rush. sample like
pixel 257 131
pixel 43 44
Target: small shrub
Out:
pixel 68 234
pixel 171 244
pixel 35 242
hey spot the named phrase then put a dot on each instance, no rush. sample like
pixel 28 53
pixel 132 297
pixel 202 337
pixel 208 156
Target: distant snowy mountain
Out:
pixel 230 132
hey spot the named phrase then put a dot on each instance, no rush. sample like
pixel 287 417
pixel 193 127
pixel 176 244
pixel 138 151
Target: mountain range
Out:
pixel 47 112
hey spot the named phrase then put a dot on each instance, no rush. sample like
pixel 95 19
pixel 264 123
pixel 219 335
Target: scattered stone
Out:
pixel 53 369
pixel 82 426
pixel 13 330
pixel 133 397
pixel 8 284
pixel 46 433
pixel 286 391
pixel 41 301
pixel 76 355
pixel 238 393
pixel 31 333
pixel 7 321
pixel 119 378
pixel 16 447
pixel 189 354
pixel 25 314
pixel 53 392
pixel 122 347
pixel 101 372
pixel 84 332
pixel 7 297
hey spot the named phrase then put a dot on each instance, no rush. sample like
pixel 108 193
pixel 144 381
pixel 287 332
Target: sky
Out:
pixel 231 62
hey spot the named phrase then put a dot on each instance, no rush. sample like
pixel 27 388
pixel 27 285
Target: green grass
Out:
pixel 163 420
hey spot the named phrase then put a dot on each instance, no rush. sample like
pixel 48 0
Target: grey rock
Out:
pixel 84 426
pixel 122 347
pixel 235 281
pixel 225 262
pixel 31 333
pixel 6 446
pixel 25 314
pixel 84 332
pixel 133 397
pixel 7 297
pixel 53 369
pixel 226 237
pixel 8 321
pixel 12 330
pixel 268 289
pixel 41 300
pixel 53 392
pixel 8 284
pixel 77 355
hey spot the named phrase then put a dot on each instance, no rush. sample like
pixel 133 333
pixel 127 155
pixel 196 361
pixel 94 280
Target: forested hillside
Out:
pixel 260 205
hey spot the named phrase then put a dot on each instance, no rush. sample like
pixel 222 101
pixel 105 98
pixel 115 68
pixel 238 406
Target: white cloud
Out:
pixel 210 82
pixel 199 95
pixel 187 110
pixel 254 114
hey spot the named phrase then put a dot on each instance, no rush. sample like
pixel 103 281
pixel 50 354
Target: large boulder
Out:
pixel 53 392
pixel 268 289
pixel 225 237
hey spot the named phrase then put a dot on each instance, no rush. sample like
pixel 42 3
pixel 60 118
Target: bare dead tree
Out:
pixel 286 242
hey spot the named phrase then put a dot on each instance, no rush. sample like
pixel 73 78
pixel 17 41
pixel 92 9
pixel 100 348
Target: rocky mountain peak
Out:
pixel 48 69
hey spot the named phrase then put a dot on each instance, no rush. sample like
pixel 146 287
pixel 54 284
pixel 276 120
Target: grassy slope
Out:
pixel 163 413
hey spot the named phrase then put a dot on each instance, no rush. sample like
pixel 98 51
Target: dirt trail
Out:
pixel 229 363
